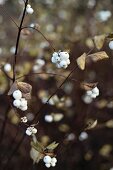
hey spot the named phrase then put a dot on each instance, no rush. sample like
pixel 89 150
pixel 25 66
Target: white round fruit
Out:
pixel 29 10
pixel 34 130
pixel 53 160
pixel 94 95
pixel 63 64
pixel 48 165
pixel 47 159
pixel 7 67
pixel 55 54
pixel 28 132
pixel 17 103
pixel 23 108
pixel 17 94
pixel 95 90
pixel 68 61
pixel 53 60
pixel 53 164
pixel 89 92
pixel 48 118
pixel 23 102
pixel 64 55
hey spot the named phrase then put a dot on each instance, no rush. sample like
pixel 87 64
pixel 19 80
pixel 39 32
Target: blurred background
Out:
pixel 69 25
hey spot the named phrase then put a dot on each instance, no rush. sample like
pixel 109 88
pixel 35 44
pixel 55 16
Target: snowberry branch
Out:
pixel 42 35
pixel 42 107
pixel 51 74
pixel 17 41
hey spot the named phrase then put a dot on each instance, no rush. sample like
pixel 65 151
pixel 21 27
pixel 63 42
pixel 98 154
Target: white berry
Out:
pixel 89 92
pixel 95 90
pixel 28 132
pixel 48 165
pixel 94 95
pixel 64 55
pixel 55 54
pixel 53 60
pixel 23 108
pixel 63 64
pixel 34 130
pixel 17 94
pixel 53 164
pixel 68 61
pixel 48 118
pixel 7 67
pixel 29 9
pixel 16 103
pixel 23 102
pixel 47 159
pixel 53 160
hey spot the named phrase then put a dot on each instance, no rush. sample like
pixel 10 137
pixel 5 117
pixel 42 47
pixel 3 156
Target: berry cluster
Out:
pixel 19 102
pixel 29 9
pixel 49 161
pixel 61 59
pixel 31 130
pixel 93 93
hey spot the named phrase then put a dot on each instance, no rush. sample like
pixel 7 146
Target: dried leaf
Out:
pixel 26 32
pixel 38 146
pixel 12 88
pixel 98 56
pixel 35 155
pixel 91 124
pixel 27 96
pixel 88 86
pixel 24 87
pixel 99 41
pixel 109 123
pixel 81 61
pixel 52 146
pixel 110 36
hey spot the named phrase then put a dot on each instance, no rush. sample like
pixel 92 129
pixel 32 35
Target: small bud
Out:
pixel 24 119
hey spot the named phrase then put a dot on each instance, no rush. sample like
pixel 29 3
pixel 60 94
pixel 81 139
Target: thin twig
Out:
pixel 17 41
pixel 42 107
pixel 51 74
pixel 5 12
pixel 42 35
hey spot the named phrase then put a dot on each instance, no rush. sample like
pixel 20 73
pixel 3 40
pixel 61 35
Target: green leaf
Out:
pixel 38 146
pixel 52 146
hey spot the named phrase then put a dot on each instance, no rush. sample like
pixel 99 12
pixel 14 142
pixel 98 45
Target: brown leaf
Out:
pixel 88 86
pixel 81 61
pixel 99 41
pixel 27 96
pixel 110 36
pixel 98 56
pixel 12 88
pixel 91 124
pixel 25 32
pixel 24 87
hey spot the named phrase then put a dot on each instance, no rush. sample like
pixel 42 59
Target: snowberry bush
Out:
pixel 21 95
